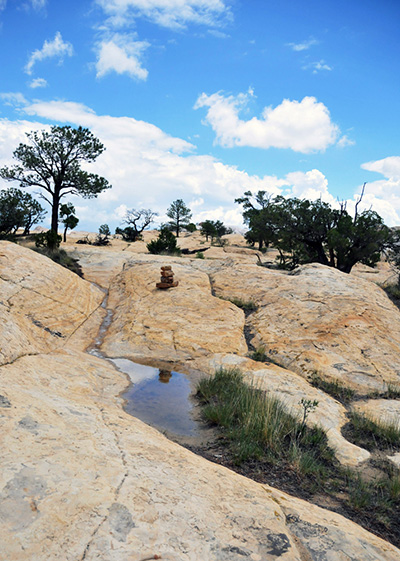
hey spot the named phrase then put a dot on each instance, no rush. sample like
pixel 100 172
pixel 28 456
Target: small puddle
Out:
pixel 158 397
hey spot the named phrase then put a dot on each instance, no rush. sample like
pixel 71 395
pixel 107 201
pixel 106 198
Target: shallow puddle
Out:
pixel 158 397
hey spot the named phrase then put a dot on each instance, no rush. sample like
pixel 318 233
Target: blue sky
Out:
pixel 206 99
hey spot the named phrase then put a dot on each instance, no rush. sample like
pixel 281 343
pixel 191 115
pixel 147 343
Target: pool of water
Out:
pixel 158 397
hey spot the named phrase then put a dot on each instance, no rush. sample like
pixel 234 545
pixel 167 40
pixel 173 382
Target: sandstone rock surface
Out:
pixel 319 319
pixel 179 324
pixel 42 304
pixel 83 480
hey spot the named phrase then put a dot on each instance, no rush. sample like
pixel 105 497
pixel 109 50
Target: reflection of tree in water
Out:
pixel 164 376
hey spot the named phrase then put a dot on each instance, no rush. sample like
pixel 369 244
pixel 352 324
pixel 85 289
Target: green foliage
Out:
pixel 68 218
pixel 191 227
pixel 18 210
pixel 334 388
pixel 393 256
pixel 52 162
pixel 180 216
pixel 50 240
pixel 102 237
pixel 311 231
pixel 165 243
pixel 370 434
pixel 259 354
pixel 200 255
pixel 61 257
pixel 245 305
pixel 138 221
pixel 214 229
pixel 258 426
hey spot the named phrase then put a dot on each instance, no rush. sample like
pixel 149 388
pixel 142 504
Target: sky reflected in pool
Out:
pixel 158 397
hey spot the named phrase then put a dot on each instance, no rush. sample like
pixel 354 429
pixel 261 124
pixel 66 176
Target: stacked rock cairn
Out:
pixel 167 278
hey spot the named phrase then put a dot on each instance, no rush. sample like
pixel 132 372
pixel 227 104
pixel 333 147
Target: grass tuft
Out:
pixel 335 389
pixel 258 426
pixel 372 434
pixel 245 305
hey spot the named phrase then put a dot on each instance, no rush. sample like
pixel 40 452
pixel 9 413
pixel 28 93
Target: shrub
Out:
pixel 49 239
pixel 165 243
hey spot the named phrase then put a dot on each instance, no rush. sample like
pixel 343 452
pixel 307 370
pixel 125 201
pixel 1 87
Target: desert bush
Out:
pixel 164 244
pixel 50 239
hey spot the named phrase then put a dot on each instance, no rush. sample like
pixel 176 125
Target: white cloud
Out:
pixel 13 99
pixel 37 4
pixel 38 83
pixel 310 185
pixel 345 141
pixel 317 66
pixel 167 13
pixel 57 48
pixel 389 167
pixel 304 46
pixel 304 126
pixel 121 55
pixel 150 168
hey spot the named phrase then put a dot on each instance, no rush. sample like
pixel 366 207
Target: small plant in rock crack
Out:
pixel 308 406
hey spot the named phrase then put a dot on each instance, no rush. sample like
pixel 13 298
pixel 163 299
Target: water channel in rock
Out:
pixel 160 397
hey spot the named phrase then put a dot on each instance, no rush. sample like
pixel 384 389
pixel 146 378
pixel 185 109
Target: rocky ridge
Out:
pixel 82 479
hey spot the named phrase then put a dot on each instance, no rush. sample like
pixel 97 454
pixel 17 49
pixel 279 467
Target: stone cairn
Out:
pixel 167 278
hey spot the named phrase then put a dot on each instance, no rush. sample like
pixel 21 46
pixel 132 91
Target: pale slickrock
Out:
pixel 290 388
pixel 319 319
pixel 177 324
pixel 82 480
pixel 386 411
pixel 42 304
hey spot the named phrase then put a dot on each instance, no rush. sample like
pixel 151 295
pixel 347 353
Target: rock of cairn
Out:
pixel 167 278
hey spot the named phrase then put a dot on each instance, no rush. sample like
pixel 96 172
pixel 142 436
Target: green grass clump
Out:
pixel 337 390
pixel 245 305
pixel 259 427
pixel 260 355
pixel 199 255
pixel 262 437
pixel 61 257
pixel 372 434
pixel 393 291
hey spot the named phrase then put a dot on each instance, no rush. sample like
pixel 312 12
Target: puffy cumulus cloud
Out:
pixel 384 194
pixel 175 14
pixel 12 133
pixel 310 185
pixel 303 126
pixel 149 169
pixel 146 167
pixel 57 48
pixel 121 55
